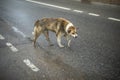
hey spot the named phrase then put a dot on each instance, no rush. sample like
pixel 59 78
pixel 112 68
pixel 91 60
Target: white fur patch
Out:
pixel 32 33
pixel 68 26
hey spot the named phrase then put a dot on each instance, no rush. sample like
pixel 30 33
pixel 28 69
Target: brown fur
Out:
pixel 57 25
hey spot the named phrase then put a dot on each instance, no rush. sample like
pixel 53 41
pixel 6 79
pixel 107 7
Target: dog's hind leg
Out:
pixel 46 33
pixel 36 35
pixel 35 38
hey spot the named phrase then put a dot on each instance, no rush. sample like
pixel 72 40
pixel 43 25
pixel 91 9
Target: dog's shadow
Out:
pixel 53 59
pixel 55 63
pixel 53 46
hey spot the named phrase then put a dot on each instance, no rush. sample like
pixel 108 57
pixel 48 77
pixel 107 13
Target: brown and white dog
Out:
pixel 60 26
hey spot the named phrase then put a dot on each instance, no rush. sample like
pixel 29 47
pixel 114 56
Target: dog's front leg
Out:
pixel 59 40
pixel 46 33
pixel 69 40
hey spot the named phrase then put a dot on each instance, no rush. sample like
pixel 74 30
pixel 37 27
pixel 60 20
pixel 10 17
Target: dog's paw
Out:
pixel 34 46
pixel 68 45
pixel 61 46
pixel 51 44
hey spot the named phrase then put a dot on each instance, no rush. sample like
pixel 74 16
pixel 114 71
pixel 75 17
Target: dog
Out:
pixel 61 27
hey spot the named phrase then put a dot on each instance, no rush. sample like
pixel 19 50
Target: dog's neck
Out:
pixel 68 26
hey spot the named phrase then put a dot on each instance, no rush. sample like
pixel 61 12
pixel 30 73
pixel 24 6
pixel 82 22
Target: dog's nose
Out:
pixel 75 36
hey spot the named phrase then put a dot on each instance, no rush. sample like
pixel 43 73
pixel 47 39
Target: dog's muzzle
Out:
pixel 75 36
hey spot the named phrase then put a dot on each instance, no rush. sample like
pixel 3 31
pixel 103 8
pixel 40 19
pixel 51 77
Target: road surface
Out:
pixel 94 55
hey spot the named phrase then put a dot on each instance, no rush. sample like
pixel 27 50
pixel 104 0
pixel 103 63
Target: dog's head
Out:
pixel 72 31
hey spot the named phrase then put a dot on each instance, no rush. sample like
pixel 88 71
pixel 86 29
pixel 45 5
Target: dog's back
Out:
pixel 60 26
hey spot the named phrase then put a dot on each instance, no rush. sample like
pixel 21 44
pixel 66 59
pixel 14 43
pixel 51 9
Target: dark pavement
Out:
pixel 94 55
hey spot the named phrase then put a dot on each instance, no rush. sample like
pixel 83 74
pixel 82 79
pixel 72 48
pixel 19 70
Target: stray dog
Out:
pixel 60 26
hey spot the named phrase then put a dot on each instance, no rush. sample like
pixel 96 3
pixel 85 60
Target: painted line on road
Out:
pixel 1 37
pixel 93 14
pixel 114 19
pixel 78 11
pixel 50 5
pixel 65 8
pixel 14 49
pixel 31 65
pixel 18 31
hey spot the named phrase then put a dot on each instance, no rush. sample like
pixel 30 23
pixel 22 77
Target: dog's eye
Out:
pixel 73 33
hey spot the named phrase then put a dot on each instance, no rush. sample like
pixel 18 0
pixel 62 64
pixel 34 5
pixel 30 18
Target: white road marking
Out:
pixel 78 0
pixel 31 65
pixel 78 11
pixel 1 37
pixel 114 19
pixel 93 14
pixel 11 47
pixel 50 5
pixel 18 31
pixel 65 8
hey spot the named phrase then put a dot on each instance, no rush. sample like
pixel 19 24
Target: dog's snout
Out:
pixel 75 36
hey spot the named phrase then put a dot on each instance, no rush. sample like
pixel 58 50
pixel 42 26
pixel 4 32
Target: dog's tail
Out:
pixel 33 33
pixel 37 23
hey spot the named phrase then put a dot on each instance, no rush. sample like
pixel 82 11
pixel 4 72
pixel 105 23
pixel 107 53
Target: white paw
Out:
pixel 68 45
pixel 61 46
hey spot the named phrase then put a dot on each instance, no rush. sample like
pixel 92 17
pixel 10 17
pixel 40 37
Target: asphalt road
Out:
pixel 94 55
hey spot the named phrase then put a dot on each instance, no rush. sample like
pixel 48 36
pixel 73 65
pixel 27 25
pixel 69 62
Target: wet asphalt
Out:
pixel 94 55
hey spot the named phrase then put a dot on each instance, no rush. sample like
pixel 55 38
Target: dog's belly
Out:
pixel 53 30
